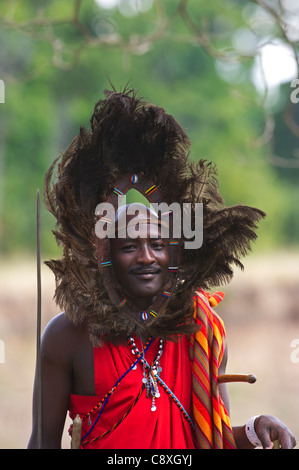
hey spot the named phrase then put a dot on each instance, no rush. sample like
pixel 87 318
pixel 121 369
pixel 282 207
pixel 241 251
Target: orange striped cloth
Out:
pixel 212 423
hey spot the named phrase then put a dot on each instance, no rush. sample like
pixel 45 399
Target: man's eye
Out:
pixel 158 245
pixel 128 247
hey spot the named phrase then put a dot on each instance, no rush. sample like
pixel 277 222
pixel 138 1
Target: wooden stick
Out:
pixel 76 433
pixel 38 328
pixel 249 378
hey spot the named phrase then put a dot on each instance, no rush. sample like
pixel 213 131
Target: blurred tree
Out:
pixel 192 57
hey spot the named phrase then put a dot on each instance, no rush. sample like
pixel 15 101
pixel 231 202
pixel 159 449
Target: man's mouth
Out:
pixel 145 273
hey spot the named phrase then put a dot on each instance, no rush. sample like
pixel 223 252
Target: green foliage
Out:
pixel 46 104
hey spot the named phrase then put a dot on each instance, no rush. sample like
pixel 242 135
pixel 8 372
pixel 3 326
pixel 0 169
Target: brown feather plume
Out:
pixel 129 135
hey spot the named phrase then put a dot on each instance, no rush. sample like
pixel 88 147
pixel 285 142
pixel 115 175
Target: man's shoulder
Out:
pixel 60 337
pixel 60 325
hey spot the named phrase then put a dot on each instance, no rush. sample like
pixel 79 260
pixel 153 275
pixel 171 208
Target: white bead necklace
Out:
pixel 149 372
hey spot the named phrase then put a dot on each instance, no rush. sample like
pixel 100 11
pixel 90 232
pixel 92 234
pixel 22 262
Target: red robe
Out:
pixel 165 428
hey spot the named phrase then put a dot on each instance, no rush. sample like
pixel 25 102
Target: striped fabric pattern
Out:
pixel 212 423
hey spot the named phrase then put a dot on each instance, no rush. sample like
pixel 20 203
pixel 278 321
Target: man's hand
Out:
pixel 269 429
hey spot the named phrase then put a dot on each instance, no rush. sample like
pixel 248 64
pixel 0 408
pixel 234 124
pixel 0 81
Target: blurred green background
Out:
pixel 57 58
pixel 223 68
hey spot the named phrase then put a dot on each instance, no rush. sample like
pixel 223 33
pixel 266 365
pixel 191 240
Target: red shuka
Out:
pixel 165 428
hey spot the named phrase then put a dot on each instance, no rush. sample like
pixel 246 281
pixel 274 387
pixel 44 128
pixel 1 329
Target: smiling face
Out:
pixel 141 264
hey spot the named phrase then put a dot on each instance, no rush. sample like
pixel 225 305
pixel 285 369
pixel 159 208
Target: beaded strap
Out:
pixel 177 402
pixel 118 422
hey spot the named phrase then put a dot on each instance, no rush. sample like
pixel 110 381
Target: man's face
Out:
pixel 141 264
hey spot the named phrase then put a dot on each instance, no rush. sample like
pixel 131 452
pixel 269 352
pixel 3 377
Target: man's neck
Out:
pixel 143 303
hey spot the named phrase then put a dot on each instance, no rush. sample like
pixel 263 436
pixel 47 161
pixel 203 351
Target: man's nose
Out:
pixel 145 255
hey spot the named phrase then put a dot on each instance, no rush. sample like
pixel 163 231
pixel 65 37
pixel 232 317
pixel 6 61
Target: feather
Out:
pixel 128 135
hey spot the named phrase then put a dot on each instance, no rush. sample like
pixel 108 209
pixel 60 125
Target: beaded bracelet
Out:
pixel 250 432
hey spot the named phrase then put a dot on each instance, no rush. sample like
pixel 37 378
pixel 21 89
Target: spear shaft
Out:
pixel 38 328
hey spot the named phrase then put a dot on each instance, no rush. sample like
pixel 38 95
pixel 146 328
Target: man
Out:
pixel 138 352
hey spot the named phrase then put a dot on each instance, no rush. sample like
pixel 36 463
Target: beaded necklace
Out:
pixel 150 373
pixel 153 373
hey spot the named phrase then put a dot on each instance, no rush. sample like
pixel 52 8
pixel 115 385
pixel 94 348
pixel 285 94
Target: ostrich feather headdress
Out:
pixel 129 136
